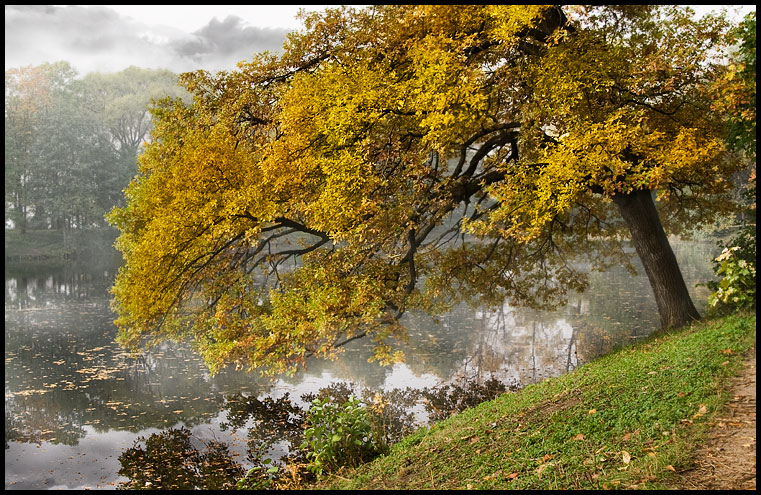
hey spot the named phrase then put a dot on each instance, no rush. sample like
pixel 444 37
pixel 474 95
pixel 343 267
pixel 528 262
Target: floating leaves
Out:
pixel 26 393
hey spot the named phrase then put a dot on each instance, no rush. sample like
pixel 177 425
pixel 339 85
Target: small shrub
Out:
pixel 737 289
pixel 338 435
pixel 258 478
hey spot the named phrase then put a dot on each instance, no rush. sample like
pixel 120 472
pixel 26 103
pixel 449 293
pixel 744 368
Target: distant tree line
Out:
pixel 71 143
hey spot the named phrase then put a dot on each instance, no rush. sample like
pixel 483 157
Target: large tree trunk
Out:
pixel 674 303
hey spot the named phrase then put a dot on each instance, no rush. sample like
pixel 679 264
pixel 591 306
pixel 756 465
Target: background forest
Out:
pixel 71 143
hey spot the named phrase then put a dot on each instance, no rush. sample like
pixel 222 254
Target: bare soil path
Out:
pixel 727 461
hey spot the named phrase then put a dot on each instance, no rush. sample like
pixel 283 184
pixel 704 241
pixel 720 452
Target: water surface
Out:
pixel 74 400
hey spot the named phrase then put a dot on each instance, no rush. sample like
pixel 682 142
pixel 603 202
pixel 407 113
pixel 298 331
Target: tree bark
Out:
pixel 674 303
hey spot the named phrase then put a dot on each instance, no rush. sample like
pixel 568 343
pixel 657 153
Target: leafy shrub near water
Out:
pixel 737 265
pixel 258 478
pixel 339 435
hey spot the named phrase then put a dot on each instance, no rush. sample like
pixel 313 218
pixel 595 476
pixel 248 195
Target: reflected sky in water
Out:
pixel 74 400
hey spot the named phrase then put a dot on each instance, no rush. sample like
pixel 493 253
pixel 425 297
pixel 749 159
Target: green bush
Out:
pixel 737 289
pixel 258 478
pixel 338 435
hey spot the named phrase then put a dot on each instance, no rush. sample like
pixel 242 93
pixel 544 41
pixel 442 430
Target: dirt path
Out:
pixel 728 460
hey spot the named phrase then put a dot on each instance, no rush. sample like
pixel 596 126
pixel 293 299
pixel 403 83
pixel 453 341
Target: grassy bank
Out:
pixel 628 420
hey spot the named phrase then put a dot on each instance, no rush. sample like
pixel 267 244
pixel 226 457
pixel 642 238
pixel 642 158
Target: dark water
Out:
pixel 74 400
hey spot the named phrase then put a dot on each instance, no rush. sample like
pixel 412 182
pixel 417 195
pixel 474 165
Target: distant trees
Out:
pixel 71 144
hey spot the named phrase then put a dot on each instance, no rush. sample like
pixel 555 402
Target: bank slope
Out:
pixel 627 420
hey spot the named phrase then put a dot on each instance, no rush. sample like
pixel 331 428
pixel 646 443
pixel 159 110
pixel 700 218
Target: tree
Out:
pixel 401 157
pixel 71 144
pixel 118 103
pixel 737 99
pixel 27 93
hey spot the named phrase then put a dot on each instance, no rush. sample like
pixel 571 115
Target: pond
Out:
pixel 75 401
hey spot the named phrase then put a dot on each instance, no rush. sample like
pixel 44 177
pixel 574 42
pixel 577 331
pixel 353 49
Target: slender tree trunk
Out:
pixel 674 303
pixel 23 219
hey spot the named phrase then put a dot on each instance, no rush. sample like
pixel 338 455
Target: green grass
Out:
pixel 648 404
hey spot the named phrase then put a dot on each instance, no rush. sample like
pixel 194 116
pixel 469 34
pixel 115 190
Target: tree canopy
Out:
pixel 409 157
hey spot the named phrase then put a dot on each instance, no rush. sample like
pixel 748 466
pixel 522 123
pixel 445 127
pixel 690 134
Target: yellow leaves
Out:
pixel 509 20
pixel 445 92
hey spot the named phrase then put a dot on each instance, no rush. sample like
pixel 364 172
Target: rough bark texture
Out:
pixel 674 303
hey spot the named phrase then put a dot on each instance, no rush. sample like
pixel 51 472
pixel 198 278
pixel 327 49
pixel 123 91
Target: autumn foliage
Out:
pixel 408 157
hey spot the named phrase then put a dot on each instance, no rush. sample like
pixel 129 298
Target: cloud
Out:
pixel 98 39
pixel 228 42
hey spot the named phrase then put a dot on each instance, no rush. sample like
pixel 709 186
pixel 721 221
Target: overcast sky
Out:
pixel 108 38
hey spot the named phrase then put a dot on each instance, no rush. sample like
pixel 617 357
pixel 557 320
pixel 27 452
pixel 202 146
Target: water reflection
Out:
pixel 276 431
pixel 71 391
pixel 169 461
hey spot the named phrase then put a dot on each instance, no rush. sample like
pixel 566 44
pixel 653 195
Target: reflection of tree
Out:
pixel 86 379
pixel 276 430
pixel 170 462
pixel 526 345
pixel 619 308
pixel 437 343
pixel 274 421
pixel 71 283
pixel 63 370
pixel 442 402
pixel 35 420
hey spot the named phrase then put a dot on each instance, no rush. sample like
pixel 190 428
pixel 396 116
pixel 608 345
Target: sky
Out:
pixel 110 38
